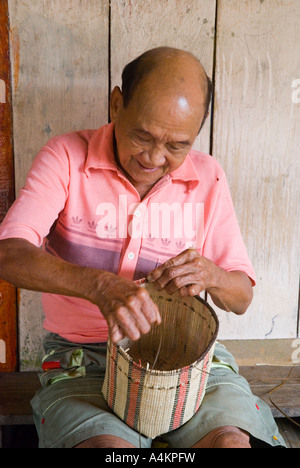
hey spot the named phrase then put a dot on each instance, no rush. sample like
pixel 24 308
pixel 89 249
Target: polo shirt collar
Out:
pixel 100 150
pixel 187 172
pixel 101 156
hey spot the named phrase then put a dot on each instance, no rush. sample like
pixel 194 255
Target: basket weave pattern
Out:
pixel 157 383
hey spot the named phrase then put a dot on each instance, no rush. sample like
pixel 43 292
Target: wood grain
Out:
pixel 139 25
pixel 59 53
pixel 6 159
pixel 16 391
pixel 8 353
pixel 256 139
pixel 282 384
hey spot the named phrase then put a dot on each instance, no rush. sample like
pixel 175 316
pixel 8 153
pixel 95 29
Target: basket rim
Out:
pixel 174 371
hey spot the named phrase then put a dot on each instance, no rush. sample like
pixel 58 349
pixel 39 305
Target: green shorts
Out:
pixel 69 407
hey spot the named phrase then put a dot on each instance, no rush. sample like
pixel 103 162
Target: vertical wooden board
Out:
pixel 256 137
pixel 8 339
pixel 60 83
pixel 139 25
pixel 60 60
pixel 8 328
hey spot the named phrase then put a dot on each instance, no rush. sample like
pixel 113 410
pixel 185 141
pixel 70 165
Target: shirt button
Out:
pixel 130 255
pixel 137 213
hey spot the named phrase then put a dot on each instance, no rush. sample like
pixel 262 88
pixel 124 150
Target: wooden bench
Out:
pixel 17 389
pixel 264 379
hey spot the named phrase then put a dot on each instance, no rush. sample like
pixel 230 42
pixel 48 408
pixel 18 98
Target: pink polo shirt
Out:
pixel 78 204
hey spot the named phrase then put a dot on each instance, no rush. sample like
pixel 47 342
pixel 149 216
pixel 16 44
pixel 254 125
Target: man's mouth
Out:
pixel 147 169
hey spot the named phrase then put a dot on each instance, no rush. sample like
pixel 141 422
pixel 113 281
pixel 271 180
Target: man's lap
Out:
pixel 70 408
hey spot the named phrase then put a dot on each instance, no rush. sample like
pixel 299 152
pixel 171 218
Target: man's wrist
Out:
pixel 232 291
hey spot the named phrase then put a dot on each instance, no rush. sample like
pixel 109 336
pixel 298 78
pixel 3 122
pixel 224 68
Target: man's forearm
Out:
pixel 128 309
pixel 234 292
pixel 28 267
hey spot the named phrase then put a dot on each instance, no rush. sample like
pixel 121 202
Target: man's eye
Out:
pixel 144 140
pixel 175 149
pixel 141 139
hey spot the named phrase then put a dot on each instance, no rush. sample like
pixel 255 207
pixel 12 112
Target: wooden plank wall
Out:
pixel 60 69
pixel 139 25
pixel 65 55
pixel 256 138
pixel 8 325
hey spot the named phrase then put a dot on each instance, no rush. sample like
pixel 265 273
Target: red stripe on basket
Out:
pixel 203 380
pixel 181 396
pixel 136 423
pixel 133 396
pixel 111 389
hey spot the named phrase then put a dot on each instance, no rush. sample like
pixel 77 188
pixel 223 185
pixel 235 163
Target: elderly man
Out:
pixel 87 201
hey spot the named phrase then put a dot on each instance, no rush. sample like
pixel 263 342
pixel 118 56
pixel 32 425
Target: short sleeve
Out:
pixel 223 242
pixel 42 198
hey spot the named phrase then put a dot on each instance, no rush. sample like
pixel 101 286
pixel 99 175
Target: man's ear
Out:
pixel 116 103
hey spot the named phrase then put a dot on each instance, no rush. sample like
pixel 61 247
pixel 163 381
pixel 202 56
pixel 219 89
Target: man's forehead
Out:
pixel 175 108
pixel 182 92
pixel 182 103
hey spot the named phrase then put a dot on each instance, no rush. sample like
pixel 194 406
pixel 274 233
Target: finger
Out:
pixel 137 315
pixel 133 316
pixel 190 290
pixel 191 281
pixel 148 307
pixel 135 308
pixel 180 260
pixel 115 333
pixel 145 312
pixel 194 289
pixel 184 291
pixel 178 276
pixel 151 310
pixel 124 318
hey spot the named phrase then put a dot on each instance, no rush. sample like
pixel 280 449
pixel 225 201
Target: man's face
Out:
pixel 154 133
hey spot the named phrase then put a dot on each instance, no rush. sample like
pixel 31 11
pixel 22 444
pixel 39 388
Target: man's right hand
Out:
pixel 126 306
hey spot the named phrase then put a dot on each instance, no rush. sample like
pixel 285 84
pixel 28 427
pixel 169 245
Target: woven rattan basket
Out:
pixel 157 383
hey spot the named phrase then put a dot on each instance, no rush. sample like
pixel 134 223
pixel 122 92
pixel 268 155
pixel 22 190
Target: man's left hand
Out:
pixel 188 272
pixel 191 273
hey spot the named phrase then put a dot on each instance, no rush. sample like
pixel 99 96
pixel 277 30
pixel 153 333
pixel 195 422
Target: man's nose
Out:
pixel 157 156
